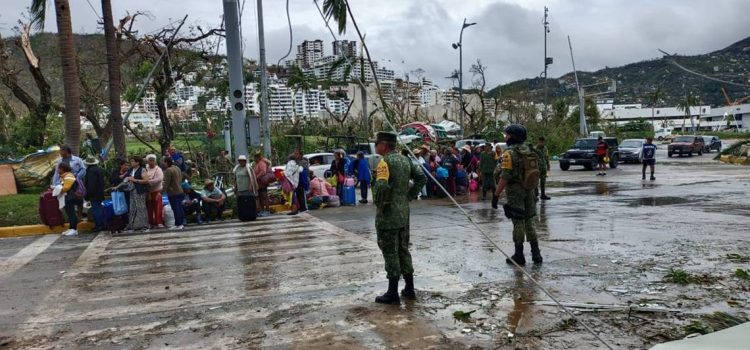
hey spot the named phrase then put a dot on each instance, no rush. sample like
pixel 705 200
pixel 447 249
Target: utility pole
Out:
pixel 236 81
pixel 460 48
pixel 547 62
pixel 582 129
pixel 363 88
pixel 263 84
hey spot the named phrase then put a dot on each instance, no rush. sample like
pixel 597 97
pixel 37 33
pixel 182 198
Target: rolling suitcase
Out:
pixel 49 210
pixel 246 208
pixel 349 196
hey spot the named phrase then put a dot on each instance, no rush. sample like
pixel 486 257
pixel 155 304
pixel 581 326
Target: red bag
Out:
pixel 49 210
pixel 266 179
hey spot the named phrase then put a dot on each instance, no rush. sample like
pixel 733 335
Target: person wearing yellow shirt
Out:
pixel 68 182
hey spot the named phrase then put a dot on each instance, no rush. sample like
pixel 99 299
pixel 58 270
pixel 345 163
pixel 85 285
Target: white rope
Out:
pixel 476 225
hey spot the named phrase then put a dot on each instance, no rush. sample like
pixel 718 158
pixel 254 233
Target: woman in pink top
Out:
pixel 260 168
pixel 154 205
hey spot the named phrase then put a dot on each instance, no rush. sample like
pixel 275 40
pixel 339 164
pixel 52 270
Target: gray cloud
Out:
pixel 508 37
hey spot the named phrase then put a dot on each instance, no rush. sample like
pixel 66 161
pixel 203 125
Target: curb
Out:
pixel 31 230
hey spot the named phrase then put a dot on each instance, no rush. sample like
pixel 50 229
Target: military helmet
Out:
pixel 516 132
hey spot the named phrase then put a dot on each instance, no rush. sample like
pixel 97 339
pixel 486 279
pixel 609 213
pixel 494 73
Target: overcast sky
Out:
pixel 405 35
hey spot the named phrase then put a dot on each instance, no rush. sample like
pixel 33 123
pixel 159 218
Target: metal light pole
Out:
pixel 547 61
pixel 461 71
pixel 263 84
pixel 236 83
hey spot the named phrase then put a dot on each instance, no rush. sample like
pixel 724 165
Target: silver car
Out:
pixel 631 150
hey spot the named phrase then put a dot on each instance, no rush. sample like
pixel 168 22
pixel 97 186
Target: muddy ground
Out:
pixel 310 281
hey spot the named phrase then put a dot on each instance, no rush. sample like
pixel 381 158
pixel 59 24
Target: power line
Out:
pixel 672 61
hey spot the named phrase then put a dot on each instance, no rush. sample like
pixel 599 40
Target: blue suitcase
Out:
pixel 349 196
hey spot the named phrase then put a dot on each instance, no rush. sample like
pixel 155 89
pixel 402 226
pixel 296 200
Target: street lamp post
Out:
pixel 461 72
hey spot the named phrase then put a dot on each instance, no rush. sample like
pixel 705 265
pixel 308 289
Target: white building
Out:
pixel 143 120
pixel 308 52
pixel 280 104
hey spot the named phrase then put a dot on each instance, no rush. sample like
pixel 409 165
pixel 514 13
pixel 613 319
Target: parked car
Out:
pixel 663 134
pixel 630 150
pixel 686 145
pixel 319 163
pixel 582 153
pixel 711 143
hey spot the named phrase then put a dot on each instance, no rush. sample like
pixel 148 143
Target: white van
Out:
pixel 663 134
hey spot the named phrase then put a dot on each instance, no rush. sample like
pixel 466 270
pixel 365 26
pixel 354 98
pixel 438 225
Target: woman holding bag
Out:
pixel 292 172
pixel 137 212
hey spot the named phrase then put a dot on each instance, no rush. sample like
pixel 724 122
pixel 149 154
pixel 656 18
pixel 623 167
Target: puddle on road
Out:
pixel 655 201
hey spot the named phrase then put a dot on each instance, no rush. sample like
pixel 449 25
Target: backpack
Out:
pixel 80 189
pixel 529 170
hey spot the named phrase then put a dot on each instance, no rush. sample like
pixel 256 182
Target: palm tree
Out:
pixel 654 97
pixel 685 105
pixel 69 65
pixel 113 70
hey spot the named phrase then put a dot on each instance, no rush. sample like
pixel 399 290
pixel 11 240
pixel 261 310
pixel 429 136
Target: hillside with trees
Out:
pixel 636 82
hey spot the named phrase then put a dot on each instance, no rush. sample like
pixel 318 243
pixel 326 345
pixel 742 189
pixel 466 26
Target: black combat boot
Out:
pixel 536 255
pixel 494 201
pixel 391 296
pixel 517 256
pixel 408 291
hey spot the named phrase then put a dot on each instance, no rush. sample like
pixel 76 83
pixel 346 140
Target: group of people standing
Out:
pixel 144 182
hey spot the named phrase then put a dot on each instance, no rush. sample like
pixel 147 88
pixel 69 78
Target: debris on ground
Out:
pixel 463 316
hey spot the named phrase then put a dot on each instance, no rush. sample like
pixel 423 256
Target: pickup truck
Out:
pixel 582 153
pixel 686 145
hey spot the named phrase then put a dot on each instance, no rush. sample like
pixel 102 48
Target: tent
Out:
pixel 426 131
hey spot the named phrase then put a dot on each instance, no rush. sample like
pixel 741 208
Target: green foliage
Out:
pixel 678 276
pixel 19 209
pixel 336 10
pixel 463 316
pixel 742 274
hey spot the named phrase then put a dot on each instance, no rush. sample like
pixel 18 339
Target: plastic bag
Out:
pixel 168 216
pixel 119 204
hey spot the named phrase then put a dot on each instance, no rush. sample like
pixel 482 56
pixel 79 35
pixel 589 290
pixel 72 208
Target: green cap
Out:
pixel 385 136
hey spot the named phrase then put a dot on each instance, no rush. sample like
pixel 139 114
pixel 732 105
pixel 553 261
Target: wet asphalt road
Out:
pixel 309 281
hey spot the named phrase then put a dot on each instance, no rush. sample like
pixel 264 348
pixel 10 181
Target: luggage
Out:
pixel 114 223
pixel 333 201
pixel 349 181
pixel 49 209
pixel 246 208
pixel 349 196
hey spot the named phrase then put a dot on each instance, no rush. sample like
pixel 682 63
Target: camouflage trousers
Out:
pixel 394 244
pixel 523 229
pixel 522 202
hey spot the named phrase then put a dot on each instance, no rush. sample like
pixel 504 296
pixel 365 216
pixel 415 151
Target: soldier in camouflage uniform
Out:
pixel 544 166
pixel 520 207
pixel 392 194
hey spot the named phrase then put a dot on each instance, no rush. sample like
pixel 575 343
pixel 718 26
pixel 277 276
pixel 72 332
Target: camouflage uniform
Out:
pixel 544 164
pixel 520 200
pixel 392 193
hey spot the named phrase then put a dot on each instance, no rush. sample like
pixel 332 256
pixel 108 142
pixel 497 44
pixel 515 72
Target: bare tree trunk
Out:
pixel 167 132
pixel 113 70
pixel 70 75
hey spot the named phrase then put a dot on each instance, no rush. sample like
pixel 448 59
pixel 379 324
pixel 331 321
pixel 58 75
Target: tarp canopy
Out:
pixel 35 170
pixel 737 337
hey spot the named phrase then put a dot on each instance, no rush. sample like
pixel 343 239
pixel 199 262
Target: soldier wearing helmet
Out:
pixel 520 207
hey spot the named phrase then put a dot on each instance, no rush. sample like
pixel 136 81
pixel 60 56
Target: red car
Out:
pixel 686 145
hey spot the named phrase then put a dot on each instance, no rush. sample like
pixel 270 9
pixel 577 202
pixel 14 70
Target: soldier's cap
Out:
pixel 385 136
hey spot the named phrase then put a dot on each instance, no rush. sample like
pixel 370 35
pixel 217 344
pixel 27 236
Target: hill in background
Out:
pixel 636 81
